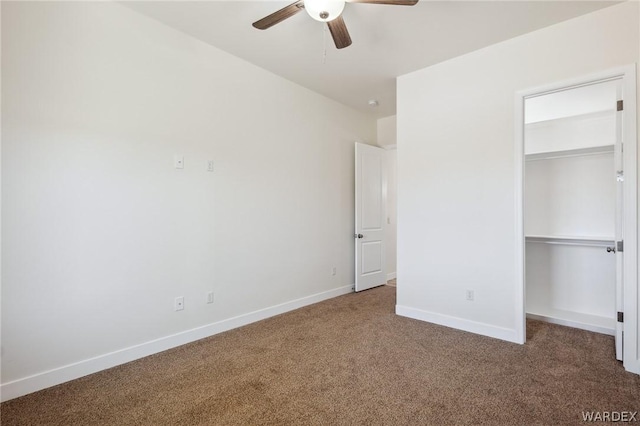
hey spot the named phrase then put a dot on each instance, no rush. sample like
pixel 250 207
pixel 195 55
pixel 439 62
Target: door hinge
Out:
pixel 620 106
pixel 620 316
pixel 620 176
pixel 620 246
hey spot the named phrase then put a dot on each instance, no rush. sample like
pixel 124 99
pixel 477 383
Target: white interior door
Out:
pixel 370 217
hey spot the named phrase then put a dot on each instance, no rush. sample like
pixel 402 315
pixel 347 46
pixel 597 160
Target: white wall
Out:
pixel 387 131
pixel 456 166
pixel 571 279
pixel 101 233
pixel 571 196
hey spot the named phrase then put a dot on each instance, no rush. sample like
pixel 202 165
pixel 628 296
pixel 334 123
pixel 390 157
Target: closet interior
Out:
pixel 573 205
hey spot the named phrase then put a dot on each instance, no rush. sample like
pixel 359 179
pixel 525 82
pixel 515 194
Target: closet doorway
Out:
pixel 578 219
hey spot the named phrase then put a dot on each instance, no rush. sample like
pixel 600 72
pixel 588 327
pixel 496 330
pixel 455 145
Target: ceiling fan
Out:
pixel 329 11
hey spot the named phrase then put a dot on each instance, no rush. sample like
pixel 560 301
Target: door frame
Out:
pixel 627 74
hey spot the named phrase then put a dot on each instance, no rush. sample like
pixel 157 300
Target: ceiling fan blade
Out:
pixel 279 16
pixel 339 32
pixel 394 2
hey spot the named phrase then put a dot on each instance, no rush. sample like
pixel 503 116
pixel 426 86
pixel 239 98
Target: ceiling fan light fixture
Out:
pixel 324 10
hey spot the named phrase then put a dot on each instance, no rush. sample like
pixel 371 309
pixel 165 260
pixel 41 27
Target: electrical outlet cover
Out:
pixel 179 303
pixel 178 162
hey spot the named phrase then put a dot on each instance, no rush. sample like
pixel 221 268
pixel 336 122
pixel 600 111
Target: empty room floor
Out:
pixel 349 360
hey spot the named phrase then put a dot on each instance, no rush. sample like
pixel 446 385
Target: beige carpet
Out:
pixel 349 361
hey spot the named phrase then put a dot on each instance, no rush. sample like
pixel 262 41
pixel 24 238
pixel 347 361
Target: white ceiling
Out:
pixel 388 41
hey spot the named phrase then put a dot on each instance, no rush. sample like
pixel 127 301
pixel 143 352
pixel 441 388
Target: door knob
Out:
pixel 359 236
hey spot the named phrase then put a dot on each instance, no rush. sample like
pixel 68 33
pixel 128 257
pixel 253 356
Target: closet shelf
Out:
pixel 610 112
pixel 571 240
pixel 548 155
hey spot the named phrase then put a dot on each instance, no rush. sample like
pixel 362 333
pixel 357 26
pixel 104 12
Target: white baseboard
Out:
pixel 574 324
pixel 85 367
pixel 501 333
pixel 391 276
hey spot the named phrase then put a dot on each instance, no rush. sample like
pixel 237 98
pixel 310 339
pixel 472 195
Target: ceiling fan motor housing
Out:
pixel 324 10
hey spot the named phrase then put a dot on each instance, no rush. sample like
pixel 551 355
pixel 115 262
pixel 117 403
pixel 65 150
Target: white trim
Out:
pixel 631 345
pixel 572 83
pixel 631 293
pixel 390 147
pixel 574 324
pixel 510 335
pixel 85 367
pixel 520 294
pixel 391 276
